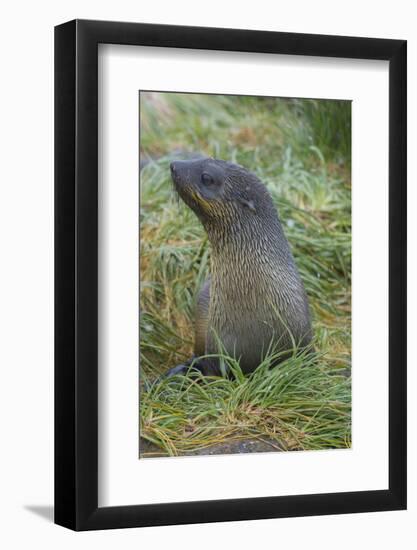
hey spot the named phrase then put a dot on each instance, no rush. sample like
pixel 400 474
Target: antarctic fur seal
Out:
pixel 254 299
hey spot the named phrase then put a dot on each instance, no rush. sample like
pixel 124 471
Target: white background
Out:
pixel 123 479
pixel 27 272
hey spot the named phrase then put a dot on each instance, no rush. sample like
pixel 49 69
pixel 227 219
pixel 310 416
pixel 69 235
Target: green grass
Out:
pixel 301 150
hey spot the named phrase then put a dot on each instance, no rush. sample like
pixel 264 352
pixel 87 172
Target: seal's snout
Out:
pixel 180 172
pixel 176 171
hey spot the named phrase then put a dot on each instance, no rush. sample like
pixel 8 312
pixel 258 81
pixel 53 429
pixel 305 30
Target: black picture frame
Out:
pixel 76 272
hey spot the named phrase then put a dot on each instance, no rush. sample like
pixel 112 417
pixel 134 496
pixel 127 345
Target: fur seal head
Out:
pixel 217 190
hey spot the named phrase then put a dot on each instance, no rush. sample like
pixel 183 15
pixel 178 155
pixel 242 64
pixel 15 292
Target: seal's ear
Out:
pixel 247 204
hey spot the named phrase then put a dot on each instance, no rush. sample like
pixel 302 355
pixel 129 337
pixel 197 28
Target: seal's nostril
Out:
pixel 172 166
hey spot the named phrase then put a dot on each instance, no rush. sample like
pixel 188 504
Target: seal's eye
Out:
pixel 206 179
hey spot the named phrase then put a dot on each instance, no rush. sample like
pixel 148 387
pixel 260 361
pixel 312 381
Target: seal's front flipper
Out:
pixel 183 368
pixel 206 366
pixel 178 370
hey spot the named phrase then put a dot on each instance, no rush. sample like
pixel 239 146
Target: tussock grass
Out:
pixel 301 150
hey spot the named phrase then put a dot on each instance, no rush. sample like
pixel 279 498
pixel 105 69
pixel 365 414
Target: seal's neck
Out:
pixel 244 241
pixel 252 267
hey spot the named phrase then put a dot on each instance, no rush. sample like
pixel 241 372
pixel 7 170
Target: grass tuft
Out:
pixel 300 405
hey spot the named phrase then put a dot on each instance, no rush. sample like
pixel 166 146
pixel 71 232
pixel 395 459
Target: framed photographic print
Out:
pixel 230 275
